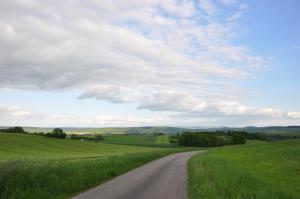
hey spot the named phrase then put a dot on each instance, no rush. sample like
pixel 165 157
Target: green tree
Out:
pixel 16 129
pixel 98 137
pixel 57 133
pixel 238 139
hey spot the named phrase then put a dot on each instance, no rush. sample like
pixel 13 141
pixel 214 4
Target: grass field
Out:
pixel 162 139
pixel 112 130
pixel 256 170
pixel 130 139
pixel 34 166
pixel 18 146
pixel 145 140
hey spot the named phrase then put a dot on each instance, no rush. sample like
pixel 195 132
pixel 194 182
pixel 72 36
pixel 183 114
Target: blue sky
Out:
pixel 273 30
pixel 142 63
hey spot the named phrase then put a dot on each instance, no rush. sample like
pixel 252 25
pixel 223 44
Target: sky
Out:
pixel 188 63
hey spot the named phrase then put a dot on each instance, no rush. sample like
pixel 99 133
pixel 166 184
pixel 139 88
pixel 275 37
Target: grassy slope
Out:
pixel 256 170
pixel 62 179
pixel 32 167
pixel 14 146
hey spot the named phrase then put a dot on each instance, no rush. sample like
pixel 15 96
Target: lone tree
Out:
pixel 57 133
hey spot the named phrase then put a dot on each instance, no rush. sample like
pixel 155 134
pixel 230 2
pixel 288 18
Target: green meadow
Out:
pixel 144 140
pixel 257 170
pixel 33 166
pixel 162 139
pixel 130 139
pixel 19 146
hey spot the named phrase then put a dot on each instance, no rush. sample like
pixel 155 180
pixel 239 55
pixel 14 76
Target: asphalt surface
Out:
pixel 164 178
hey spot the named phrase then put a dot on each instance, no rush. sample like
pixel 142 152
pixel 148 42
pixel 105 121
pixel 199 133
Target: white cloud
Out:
pixel 163 55
pixel 238 14
pixel 208 6
pixel 207 115
pixel 171 101
pixel 111 93
pixel 187 105
pixel 295 115
pixel 78 45
pixel 14 116
pixel 16 113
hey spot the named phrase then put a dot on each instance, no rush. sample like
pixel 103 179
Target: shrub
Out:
pixel 81 137
pixel 57 133
pixel 211 139
pixel 87 137
pixel 238 139
pixel 200 139
pixel 38 133
pixel 173 138
pixel 98 137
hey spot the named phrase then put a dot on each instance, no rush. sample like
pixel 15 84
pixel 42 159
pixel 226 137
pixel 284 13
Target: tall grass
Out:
pixel 253 171
pixel 55 179
pixel 34 166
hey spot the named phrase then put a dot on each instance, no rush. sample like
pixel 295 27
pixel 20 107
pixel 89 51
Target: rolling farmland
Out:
pixel 255 170
pixel 17 146
pixel 34 166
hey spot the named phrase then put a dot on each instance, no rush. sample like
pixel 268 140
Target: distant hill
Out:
pixel 267 129
pixel 273 129
pixel 166 129
pixel 113 130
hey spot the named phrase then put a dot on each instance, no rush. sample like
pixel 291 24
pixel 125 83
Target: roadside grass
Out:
pixel 33 166
pixel 54 179
pixel 162 139
pixel 257 170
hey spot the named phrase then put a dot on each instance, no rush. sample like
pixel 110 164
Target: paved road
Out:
pixel 164 178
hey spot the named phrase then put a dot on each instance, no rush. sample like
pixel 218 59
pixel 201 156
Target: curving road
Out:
pixel 164 178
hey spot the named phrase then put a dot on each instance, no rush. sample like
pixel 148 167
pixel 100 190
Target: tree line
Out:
pixel 55 133
pixel 16 129
pixel 210 139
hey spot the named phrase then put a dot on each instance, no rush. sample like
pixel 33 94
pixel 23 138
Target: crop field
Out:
pixel 18 146
pixel 256 170
pixel 33 166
